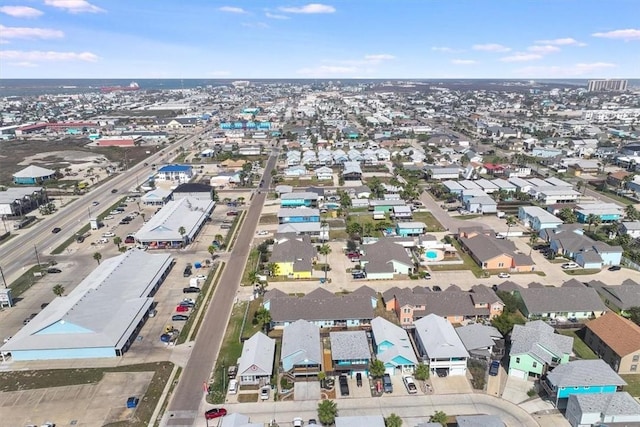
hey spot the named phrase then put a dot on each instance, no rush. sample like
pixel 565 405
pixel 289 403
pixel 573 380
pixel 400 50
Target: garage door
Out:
pixel 517 373
pixel 457 371
pixel 390 370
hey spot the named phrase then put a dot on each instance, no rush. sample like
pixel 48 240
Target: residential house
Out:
pixel 301 353
pixel 536 348
pixel 606 212
pixel 481 204
pixel 618 179
pixel 593 377
pixel 255 365
pixel 295 171
pixel 393 347
pixel 537 218
pixel 491 253
pixel 299 199
pixel 180 173
pixel 439 345
pixel 630 228
pixel 350 352
pixel 287 215
pixel 238 420
pixel 615 340
pixel 557 195
pixel 569 241
pixel 294 257
pixel 360 421
pixel 322 308
pixel 481 341
pixel 324 173
pixel 406 229
pixel 384 258
pixel 351 171
pixel 602 409
pixel 481 420
pixel 454 187
pixel 442 173
pixel 571 302
pixel 402 212
pixel 619 298
pixel 385 205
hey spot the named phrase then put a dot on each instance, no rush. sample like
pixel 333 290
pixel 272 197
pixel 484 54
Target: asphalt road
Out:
pixel 184 406
pixel 20 252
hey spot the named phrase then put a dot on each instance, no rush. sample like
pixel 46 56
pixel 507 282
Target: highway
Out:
pixel 19 253
pixel 187 398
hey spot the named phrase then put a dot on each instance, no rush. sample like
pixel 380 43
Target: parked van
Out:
pixel 386 384
pixel 233 386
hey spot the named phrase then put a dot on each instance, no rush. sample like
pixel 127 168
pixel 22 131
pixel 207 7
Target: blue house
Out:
pixel 350 352
pixel 297 200
pixel 181 173
pixel 392 346
pixel 33 175
pixel 581 377
pixel 607 212
pixel 570 242
pixel 301 354
pixel 406 229
pixel 297 215
pixel 537 218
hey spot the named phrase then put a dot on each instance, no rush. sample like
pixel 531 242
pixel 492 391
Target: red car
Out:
pixel 215 413
pixel 182 308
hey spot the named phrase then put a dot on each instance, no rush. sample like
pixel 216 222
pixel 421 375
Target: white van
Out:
pixel 233 386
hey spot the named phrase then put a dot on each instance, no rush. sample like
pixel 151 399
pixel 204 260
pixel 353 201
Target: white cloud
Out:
pixel 576 70
pixel 310 8
pixel 379 57
pixel 445 49
pixel 566 41
pixel 232 9
pixel 275 16
pixel 41 56
pixel 21 11
pixel 24 64
pixel 327 70
pixel 543 49
pixel 29 33
pixel 463 61
pixel 628 34
pixel 74 6
pixel 521 57
pixel 255 25
pixel 491 47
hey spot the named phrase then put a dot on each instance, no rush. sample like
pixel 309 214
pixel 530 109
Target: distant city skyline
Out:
pixel 245 39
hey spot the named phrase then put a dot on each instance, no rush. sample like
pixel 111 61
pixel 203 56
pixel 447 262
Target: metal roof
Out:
pixel 258 351
pixel 438 338
pixel 185 212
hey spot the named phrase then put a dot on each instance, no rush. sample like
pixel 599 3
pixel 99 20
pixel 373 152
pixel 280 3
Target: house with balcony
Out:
pixel 179 173
pixel 569 302
pixel 442 173
pixel 615 340
pixel 606 212
pixel 593 377
pixel 410 229
pixel 350 352
pixel 351 171
pixel 298 215
pixel 536 348
pixel 294 257
pixel 301 353
pixel 570 242
pixel 393 347
pixel 482 341
pixel 299 199
pixel 255 365
pixel 402 213
pixel 438 345
pixel 537 218
pixel 324 173
pixel 602 409
pixel 630 228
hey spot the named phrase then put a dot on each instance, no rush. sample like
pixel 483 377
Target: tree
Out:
pixel 592 219
pixel 367 229
pixel 505 322
pixel 439 417
pixel 567 215
pixel 422 372
pixel 219 238
pixel 117 241
pixel 325 250
pixel 327 412
pixel 58 290
pixel 510 301
pixel 533 239
pixel 212 250
pixel 273 268
pixel 631 212
pixel 263 316
pixel 351 246
pixel 97 256
pixel 376 368
pixel 252 277
pixel 393 421
pixel 182 231
pixel 634 315
pixel 354 227
pixel 511 221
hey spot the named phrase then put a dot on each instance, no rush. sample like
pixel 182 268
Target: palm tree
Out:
pixel 592 219
pixel 631 212
pixel 212 250
pixel 253 277
pixel 273 268
pixel 439 417
pixel 327 412
pixel 393 421
pixel 58 290
pixel 218 237
pixel 117 241
pixel 97 256
pixel 263 317
pixel 533 239
pixel 511 221
pixel 325 250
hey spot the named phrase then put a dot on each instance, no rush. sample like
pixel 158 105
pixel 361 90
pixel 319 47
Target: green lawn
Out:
pixel 431 222
pixel 268 219
pixel 250 266
pixel 25 281
pixel 633 384
pixel 250 328
pixel 582 271
pixel 581 350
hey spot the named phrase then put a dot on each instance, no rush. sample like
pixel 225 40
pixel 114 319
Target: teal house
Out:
pixel 536 348
pixel 299 200
pixel 581 377
pixel 392 346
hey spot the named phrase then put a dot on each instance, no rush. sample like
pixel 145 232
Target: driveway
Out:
pixel 452 384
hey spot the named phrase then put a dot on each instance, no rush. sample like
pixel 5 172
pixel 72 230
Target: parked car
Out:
pixel 182 308
pixel 297 422
pixel 53 270
pixel 189 304
pixel 232 213
pixel 359 379
pixel 115 190
pixel 264 393
pixel 215 413
pixel 132 402
pixel 109 234
pixel 387 386
pixel 129 239
pixel 186 272
pixel 614 268
pixel 437 288
pixel 494 368
pixel 410 384
pixel 344 385
pixel 191 290
pixel 504 275
pixel 568 265
pixel 233 386
pixel 124 222
pixel 312 422
pixel 358 274
pixel 166 338
pixel 179 317
pixel 56 230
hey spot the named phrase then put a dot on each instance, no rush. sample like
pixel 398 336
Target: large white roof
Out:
pixel 102 311
pixel 164 226
pixel 438 338
pixel 33 172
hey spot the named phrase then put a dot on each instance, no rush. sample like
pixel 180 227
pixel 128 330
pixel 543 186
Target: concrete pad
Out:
pixel 537 405
pixel 552 420
pixel 306 390
pixel 452 384
pixel 515 390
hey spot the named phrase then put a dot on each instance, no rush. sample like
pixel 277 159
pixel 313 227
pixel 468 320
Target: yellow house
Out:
pixel 294 257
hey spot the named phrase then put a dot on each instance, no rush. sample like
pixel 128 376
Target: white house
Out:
pixel 324 173
pixel 180 173
pixel 439 346
pixel 255 365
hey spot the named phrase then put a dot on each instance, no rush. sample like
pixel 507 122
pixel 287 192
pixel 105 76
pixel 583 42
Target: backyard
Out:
pixel 581 350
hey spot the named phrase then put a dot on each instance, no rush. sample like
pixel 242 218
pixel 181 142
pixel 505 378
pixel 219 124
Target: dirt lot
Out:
pixel 14 153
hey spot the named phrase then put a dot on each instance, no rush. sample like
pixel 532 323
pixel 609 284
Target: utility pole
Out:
pixel 4 281
pixel 37 257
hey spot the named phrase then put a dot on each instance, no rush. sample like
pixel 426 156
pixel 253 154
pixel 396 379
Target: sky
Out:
pixel 394 39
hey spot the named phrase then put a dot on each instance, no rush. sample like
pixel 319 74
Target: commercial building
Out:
pixel 17 201
pixel 101 317
pixel 615 85
pixel 33 175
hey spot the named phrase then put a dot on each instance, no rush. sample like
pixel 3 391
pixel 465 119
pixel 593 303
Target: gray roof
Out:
pixel 289 212
pixel 301 339
pixel 560 300
pixel 478 336
pixel 258 351
pixel 379 255
pixel 624 296
pixel 360 421
pixel 238 420
pixel 486 248
pixel 542 215
pixel 479 421
pixel 579 373
pixel 412 224
pixel 12 194
pixel 383 330
pixel 102 311
pixel 607 404
pixel 539 340
pixel 293 250
pixel 349 345
pixel 438 338
pixel 307 195
pixel 185 212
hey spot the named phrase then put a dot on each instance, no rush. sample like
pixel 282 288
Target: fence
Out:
pixel 630 264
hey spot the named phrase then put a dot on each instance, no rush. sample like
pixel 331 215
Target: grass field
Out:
pixel 633 384
pixel 581 349
pixel 430 221
pixel 25 281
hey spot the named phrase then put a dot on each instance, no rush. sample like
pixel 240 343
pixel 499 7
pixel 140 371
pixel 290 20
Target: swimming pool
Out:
pixel 431 254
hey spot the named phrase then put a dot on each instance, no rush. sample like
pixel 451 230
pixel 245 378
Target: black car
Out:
pixel 186 272
pixel 54 270
pixel 191 290
pixel 43 305
pixel 56 230
pixel 344 385
pixel 115 190
pixel 178 317
pixel 437 288
pixel 614 268
pixel 124 222
pixel 494 368
pixel 359 379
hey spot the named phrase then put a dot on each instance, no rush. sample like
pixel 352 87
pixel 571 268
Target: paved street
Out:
pixel 187 399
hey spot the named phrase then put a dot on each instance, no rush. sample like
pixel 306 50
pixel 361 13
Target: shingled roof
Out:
pixel 620 334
